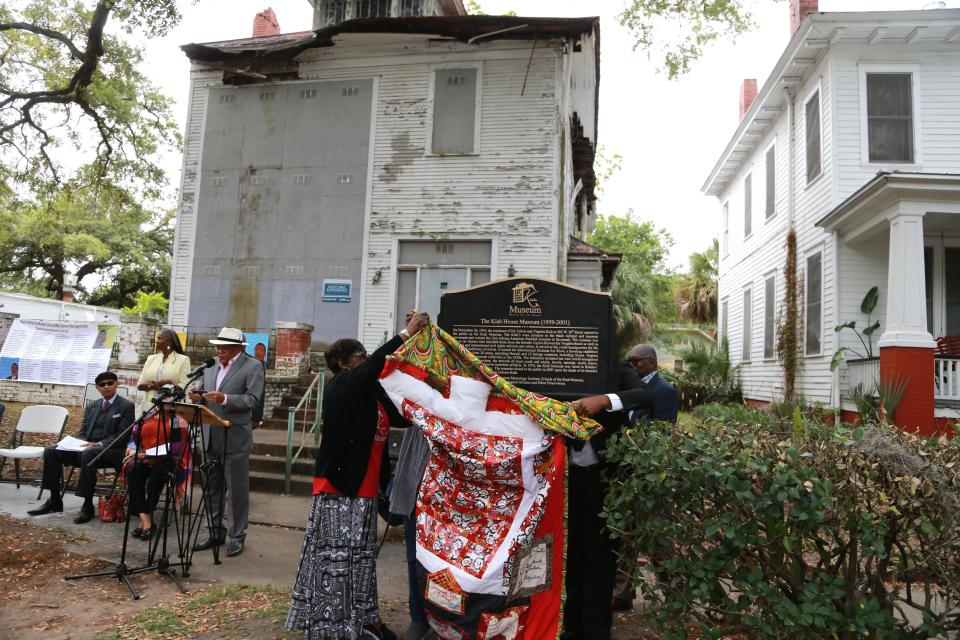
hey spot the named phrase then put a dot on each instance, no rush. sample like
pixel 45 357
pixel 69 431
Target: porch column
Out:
pixel 906 347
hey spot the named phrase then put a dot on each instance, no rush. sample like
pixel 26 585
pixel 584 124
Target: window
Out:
pixel 723 321
pixel 747 204
pixel 334 12
pixel 427 269
pixel 769 313
pixel 771 176
pixel 951 269
pixel 890 117
pixel 372 9
pixel 747 329
pixel 928 285
pixel 454 111
pixel 812 131
pixel 814 307
pixel 411 7
pixel 726 228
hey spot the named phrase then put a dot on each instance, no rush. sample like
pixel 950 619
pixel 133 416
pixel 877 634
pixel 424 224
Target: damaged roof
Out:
pixel 462 28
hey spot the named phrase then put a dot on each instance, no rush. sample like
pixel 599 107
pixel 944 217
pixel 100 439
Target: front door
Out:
pixel 434 282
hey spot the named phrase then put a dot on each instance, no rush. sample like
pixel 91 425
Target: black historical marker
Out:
pixel 541 335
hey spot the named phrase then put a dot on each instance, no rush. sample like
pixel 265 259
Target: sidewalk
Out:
pixel 271 556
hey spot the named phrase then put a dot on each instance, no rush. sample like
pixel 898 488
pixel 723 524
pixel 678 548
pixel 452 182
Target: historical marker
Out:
pixel 541 335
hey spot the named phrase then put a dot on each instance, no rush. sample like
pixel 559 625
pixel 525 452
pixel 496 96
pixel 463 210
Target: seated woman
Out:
pixel 147 468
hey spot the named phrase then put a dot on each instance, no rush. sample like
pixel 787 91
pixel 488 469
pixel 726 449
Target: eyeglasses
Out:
pixel 107 383
pixel 359 354
pixel 638 360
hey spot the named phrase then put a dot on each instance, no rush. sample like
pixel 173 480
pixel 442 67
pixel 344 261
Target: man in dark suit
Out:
pixel 232 390
pixel 591 561
pixel 102 422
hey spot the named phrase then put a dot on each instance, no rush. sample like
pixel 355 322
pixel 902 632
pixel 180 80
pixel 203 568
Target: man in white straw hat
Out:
pixel 231 389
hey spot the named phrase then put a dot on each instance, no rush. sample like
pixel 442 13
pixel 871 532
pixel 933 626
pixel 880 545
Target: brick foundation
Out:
pixel 915 365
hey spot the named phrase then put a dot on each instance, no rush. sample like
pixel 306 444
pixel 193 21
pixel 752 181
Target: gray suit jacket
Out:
pixel 243 386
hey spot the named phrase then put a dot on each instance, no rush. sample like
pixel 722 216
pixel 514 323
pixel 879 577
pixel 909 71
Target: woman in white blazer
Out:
pixel 169 365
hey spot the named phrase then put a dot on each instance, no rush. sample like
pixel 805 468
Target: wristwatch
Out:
pixel 404 334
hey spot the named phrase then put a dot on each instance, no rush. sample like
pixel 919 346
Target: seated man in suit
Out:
pixel 102 422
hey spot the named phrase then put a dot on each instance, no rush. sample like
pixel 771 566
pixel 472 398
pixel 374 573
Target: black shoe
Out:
pixel 146 534
pixel 47 507
pixel 85 515
pixel 236 548
pixel 207 543
pixel 136 533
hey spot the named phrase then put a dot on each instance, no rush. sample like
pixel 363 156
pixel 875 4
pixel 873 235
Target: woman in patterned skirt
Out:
pixel 335 593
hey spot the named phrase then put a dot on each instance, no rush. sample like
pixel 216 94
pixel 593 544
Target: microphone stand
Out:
pixel 121 571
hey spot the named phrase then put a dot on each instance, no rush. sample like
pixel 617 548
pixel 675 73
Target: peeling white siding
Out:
pixel 512 191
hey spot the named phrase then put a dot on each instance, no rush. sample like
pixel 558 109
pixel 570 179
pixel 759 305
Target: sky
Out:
pixel 669 132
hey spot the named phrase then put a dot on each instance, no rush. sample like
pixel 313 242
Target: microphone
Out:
pixel 206 365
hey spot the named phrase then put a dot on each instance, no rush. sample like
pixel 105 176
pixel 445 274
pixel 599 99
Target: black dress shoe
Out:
pixel 206 543
pixel 235 548
pixel 85 515
pixel 47 507
pixel 136 533
pixel 146 534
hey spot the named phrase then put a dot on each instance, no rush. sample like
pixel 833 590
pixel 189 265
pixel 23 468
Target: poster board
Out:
pixel 57 352
pixel 257 345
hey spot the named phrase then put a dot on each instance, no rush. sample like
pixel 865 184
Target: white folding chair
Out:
pixel 42 418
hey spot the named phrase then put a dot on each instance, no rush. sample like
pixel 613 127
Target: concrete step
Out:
pixel 273 442
pixel 276 464
pixel 300 485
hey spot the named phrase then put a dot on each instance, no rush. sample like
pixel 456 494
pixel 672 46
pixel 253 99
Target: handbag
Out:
pixel 112 508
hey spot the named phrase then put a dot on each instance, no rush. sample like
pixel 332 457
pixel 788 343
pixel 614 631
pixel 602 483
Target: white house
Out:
pixel 342 176
pixel 854 140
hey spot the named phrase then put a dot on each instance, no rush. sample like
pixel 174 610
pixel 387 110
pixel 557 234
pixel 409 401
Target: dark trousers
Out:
pixel 415 601
pixel 145 483
pixel 55 459
pixel 590 558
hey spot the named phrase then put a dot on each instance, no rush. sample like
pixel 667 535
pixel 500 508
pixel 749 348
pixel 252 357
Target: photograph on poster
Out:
pixel 257 345
pixel 9 368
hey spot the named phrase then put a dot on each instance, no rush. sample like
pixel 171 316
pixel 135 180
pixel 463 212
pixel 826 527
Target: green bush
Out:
pixel 733 413
pixel 707 376
pixel 789 529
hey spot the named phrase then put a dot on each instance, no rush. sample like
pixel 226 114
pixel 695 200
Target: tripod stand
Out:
pixel 178 443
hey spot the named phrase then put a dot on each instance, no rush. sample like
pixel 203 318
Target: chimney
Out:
pixel 265 24
pixel 748 93
pixel 69 288
pixel 799 10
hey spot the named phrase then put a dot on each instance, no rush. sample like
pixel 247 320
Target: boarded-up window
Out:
pixel 812 119
pixel 454 111
pixel 372 8
pixel 771 199
pixel 769 302
pixel 747 205
pixel 426 270
pixel 890 117
pixel 814 311
pixel 747 329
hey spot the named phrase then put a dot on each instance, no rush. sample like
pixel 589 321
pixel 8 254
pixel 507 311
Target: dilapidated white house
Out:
pixel 342 176
pixel 854 140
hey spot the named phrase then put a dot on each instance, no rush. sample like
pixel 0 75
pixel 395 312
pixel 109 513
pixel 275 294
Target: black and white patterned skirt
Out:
pixel 335 593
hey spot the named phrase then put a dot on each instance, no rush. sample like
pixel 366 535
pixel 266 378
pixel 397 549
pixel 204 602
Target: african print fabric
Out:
pixel 490 512
pixel 335 593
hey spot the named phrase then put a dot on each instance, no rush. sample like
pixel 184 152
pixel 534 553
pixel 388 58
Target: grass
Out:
pixel 229 611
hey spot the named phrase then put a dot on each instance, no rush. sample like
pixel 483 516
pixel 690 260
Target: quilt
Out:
pixel 492 504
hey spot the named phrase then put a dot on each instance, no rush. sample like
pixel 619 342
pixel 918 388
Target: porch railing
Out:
pixel 946 379
pixel 863 372
pixel 300 416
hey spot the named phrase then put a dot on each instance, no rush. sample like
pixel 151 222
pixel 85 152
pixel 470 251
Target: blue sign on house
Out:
pixel 337 290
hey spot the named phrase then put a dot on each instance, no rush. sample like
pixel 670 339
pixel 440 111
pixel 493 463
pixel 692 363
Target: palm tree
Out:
pixel 696 295
pixel 634 303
